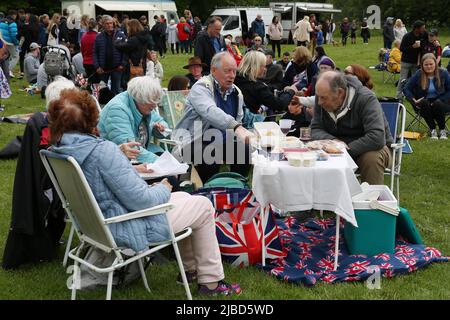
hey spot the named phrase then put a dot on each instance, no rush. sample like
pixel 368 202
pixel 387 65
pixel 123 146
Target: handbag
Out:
pixel 239 227
pixel 136 71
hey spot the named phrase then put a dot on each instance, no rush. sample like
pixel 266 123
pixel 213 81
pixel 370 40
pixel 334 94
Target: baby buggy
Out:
pixel 57 62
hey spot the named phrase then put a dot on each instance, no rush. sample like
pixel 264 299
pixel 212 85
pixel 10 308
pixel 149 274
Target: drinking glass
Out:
pixel 285 126
pixel 305 134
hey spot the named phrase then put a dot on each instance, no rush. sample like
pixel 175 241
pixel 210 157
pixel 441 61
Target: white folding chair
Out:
pixel 91 226
pixel 395 113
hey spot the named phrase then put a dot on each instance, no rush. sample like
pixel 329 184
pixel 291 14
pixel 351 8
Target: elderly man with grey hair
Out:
pixel 130 119
pixel 108 60
pixel 345 110
pixel 212 119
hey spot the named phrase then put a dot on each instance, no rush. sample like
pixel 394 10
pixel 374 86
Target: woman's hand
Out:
pixel 130 150
pixel 167 184
pixel 295 107
pixel 142 168
pixel 160 127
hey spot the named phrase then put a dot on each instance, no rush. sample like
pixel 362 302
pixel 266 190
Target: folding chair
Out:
pixel 395 113
pixel 171 110
pixel 92 228
pixel 389 76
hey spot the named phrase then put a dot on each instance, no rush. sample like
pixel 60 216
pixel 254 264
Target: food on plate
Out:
pixel 332 149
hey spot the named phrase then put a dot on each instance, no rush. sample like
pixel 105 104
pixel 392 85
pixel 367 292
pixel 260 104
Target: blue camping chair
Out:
pixel 395 114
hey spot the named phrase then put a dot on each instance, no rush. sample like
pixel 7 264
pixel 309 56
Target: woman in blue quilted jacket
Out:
pixel 118 189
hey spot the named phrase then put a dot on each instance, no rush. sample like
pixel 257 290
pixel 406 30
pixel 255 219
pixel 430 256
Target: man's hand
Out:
pixel 142 168
pixel 100 71
pixel 167 184
pixel 243 134
pixel 160 127
pixel 418 101
pixel 130 150
pixel 295 107
pixel 119 68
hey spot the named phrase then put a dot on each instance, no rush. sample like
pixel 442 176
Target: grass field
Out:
pixel 425 188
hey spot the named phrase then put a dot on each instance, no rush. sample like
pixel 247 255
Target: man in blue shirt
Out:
pixel 259 28
pixel 213 112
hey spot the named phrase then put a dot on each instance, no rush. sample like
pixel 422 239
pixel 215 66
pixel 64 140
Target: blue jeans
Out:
pixel 185 45
pixel 116 80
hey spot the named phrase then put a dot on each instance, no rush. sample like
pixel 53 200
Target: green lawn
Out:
pixel 425 187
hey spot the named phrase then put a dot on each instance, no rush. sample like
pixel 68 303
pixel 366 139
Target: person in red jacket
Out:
pixel 184 30
pixel 87 50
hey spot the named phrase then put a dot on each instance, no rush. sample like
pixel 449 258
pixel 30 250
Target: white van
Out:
pixel 134 9
pixel 238 20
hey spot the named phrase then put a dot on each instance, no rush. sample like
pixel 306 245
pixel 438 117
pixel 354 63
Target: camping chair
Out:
pixel 395 113
pixel 171 110
pixel 388 76
pixel 92 227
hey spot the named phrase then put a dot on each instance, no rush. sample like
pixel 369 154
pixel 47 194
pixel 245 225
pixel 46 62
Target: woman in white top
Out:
pixel 154 67
pixel 172 36
pixel 53 30
pixel 399 30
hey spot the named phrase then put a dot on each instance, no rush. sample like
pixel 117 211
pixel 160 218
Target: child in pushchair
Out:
pixel 58 62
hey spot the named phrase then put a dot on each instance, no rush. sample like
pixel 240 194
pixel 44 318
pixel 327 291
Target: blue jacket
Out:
pixel 118 189
pixel 9 31
pixel 259 28
pixel 414 90
pixel 100 49
pixel 119 120
pixel 43 35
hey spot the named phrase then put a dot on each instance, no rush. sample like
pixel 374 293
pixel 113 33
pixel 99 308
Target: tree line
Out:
pixel 435 13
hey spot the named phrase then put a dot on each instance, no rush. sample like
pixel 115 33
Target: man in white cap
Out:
pixel 31 63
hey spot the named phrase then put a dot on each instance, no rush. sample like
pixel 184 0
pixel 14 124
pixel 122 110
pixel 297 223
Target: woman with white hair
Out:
pixel 172 37
pixel 131 116
pixel 399 30
pixel 119 190
pixel 256 93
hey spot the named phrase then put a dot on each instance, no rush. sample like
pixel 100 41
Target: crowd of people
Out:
pixel 225 82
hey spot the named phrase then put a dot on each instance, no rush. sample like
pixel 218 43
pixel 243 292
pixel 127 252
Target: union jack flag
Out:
pixel 383 256
pixel 326 263
pixel 239 227
pixel 311 257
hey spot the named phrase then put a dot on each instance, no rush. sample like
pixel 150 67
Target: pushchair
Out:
pixel 58 62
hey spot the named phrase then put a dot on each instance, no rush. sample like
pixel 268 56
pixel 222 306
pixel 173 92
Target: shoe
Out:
pixel 434 134
pixel 11 74
pixel 191 277
pixel 223 288
pixel 443 135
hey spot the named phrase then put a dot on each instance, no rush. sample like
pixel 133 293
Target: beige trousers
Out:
pixel 372 164
pixel 200 251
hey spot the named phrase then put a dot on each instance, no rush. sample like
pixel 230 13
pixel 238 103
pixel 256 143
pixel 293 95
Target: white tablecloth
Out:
pixel 329 185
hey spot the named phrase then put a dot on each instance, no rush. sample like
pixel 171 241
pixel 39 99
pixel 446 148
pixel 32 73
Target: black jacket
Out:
pixel 36 222
pixel 410 54
pixel 63 31
pixel 258 93
pixel 274 77
pixel 135 47
pixel 388 32
pixel 204 49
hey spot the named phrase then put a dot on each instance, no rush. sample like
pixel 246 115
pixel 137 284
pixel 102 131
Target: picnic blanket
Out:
pixel 310 255
pixel 17 118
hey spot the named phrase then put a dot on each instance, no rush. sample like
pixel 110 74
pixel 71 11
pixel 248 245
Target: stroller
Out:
pixel 58 62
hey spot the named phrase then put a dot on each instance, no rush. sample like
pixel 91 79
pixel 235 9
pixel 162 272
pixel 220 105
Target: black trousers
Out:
pixel 240 162
pixel 277 44
pixel 434 112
